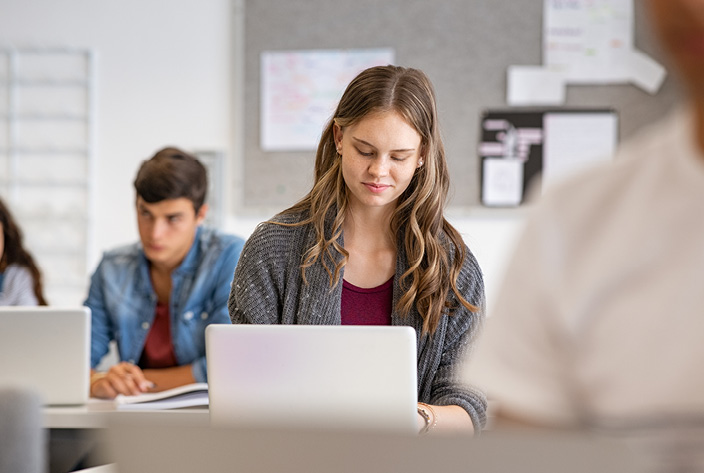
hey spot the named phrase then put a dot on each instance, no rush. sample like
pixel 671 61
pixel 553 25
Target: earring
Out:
pixel 420 163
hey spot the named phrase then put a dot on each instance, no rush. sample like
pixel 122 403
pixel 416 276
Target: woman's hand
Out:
pixel 443 419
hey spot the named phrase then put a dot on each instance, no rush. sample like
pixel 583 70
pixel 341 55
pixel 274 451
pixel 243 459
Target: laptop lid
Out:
pixel 313 376
pixel 47 349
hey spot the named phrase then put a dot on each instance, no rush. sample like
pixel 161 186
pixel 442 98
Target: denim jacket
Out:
pixel 123 302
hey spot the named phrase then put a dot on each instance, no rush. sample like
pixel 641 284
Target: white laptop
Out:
pixel 47 349
pixel 359 377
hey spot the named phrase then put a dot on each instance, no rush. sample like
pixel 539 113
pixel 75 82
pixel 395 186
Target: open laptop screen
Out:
pixel 47 349
pixel 320 376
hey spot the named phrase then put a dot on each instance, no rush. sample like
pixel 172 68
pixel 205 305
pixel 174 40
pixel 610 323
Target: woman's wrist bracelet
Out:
pixel 428 414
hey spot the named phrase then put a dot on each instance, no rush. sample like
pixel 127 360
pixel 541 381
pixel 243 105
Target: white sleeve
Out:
pixel 18 287
pixel 522 360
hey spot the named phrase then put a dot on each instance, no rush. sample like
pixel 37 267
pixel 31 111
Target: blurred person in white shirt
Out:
pixel 600 318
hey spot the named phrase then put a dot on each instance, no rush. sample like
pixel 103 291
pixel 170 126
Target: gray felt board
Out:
pixel 464 46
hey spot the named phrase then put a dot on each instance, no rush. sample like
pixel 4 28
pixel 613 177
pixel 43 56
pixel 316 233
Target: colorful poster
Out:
pixel 300 89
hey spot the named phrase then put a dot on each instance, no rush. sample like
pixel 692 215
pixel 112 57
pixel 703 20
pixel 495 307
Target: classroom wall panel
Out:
pixel 464 46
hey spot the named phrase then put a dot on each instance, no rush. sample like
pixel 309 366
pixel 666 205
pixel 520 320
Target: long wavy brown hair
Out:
pixel 15 252
pixel 434 248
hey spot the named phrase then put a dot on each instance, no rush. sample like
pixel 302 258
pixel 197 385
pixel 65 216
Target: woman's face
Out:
pixel 680 26
pixel 380 154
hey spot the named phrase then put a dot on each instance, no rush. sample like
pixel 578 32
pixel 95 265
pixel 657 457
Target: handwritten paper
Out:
pixel 584 42
pixel 300 90
pixel 587 39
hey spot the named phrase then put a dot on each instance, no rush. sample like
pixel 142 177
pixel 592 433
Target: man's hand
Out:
pixel 123 378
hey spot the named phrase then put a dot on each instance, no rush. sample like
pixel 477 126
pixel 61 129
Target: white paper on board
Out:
pixel 535 85
pixel 592 42
pixel 502 182
pixel 573 141
pixel 645 72
pixel 587 38
pixel 300 89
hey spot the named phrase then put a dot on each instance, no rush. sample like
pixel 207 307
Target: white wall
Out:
pixel 491 236
pixel 164 77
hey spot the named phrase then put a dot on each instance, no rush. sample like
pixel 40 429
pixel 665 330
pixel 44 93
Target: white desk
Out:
pixel 96 414
pixel 79 431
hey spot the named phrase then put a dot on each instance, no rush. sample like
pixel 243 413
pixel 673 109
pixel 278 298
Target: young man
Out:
pixel 600 317
pixel 155 298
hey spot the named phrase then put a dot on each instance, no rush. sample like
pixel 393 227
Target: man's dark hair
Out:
pixel 170 174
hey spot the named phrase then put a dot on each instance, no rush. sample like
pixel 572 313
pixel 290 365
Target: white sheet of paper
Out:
pixel 502 183
pixel 591 41
pixel 535 85
pixel 587 38
pixel 645 72
pixel 573 141
pixel 300 90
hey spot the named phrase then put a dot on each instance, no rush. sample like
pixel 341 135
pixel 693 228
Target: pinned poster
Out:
pixel 300 90
pixel 588 42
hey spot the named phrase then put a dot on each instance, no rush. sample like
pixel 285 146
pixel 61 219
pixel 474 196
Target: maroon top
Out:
pixel 367 306
pixel 158 349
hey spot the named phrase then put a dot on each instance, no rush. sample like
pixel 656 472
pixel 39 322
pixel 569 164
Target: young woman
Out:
pixel 371 234
pixel 20 279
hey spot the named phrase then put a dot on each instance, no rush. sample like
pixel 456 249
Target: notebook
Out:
pixel 47 349
pixel 188 395
pixel 312 376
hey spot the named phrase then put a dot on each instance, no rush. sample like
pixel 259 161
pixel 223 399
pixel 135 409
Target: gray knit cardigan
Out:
pixel 268 289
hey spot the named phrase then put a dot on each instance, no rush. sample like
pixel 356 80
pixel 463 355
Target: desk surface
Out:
pixel 96 414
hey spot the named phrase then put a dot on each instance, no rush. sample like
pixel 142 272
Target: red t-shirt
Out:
pixel 370 306
pixel 158 349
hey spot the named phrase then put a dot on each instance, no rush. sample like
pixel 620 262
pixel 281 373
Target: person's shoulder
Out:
pixel 288 218
pixel 470 284
pixel 122 254
pixel 470 276
pixel 282 232
pixel 16 271
pixel 283 224
pixel 117 266
pixel 470 271
pixel 214 237
pixel 451 247
pixel 470 265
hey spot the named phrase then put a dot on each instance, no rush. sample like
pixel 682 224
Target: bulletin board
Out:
pixel 464 46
